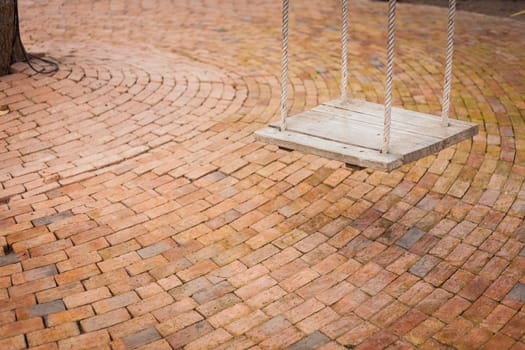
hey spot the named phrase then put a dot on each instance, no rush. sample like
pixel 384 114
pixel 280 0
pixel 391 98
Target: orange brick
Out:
pixel 210 341
pixel 48 335
pixel 59 292
pixel 255 287
pixel 78 261
pixel 72 315
pixel 88 340
pixel 86 297
pixel 33 286
pixel 105 320
pixel 132 326
pixel 77 274
pixel 197 270
pixel 228 315
pixel 118 262
pixel 152 303
pixel 13 343
pixel 116 302
pixel 21 327
pixel 245 323
pixel 179 322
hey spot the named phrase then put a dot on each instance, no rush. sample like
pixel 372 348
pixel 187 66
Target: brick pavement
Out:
pixel 138 212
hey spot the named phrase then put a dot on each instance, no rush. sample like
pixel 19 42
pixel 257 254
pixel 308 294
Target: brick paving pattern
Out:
pixel 138 212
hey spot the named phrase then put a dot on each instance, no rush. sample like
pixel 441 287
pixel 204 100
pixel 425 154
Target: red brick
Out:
pixel 86 297
pixel 77 274
pixel 106 278
pixel 452 308
pixel 13 343
pixel 105 320
pixel 245 323
pixel 59 292
pixel 34 274
pixel 72 315
pixel 282 339
pixel 189 334
pixel 87 340
pixel 303 310
pixel 182 306
pixel 62 331
pixel 149 304
pixel 498 318
pixel 373 305
pixel 318 320
pixel 21 327
pixel 32 286
pixel 358 334
pixel 452 332
pixel 255 287
pixel 132 326
pixel 197 270
pixel 499 341
pixel 298 280
pixel 43 260
pixel 423 331
pixel 350 301
pixel 407 322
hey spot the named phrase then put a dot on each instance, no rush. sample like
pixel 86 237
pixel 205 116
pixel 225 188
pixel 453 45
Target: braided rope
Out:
pixel 344 51
pixel 389 74
pixel 448 63
pixel 284 67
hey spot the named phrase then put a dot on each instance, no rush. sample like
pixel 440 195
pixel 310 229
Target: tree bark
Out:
pixel 11 49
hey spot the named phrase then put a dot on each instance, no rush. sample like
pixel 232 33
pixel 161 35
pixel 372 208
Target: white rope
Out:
pixel 448 63
pixel 389 74
pixel 284 67
pixel 344 51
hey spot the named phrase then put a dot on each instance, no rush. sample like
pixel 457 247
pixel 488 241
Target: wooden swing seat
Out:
pixel 351 132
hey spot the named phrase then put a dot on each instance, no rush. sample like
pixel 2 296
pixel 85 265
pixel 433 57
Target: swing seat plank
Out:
pixel 352 132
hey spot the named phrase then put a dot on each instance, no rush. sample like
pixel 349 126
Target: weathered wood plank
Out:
pixel 329 149
pixel 352 132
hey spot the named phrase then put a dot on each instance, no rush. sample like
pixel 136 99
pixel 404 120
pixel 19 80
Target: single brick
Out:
pixel 47 308
pixel 154 249
pixel 9 259
pixel 149 304
pixel 52 218
pixel 93 340
pixel 424 265
pixel 518 293
pixel 216 305
pixel 189 334
pixel 409 238
pixel 313 341
pixel 267 329
pixel 214 292
pixel 247 322
pixel 210 340
pixel 131 326
pixel 13 343
pixel 105 320
pixel 116 302
pixel 143 337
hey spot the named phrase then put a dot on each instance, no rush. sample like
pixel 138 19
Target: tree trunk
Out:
pixel 11 49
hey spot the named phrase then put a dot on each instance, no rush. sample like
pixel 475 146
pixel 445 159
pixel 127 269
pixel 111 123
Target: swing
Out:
pixel 365 134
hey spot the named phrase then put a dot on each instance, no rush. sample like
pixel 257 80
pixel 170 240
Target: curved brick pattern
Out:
pixel 138 212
